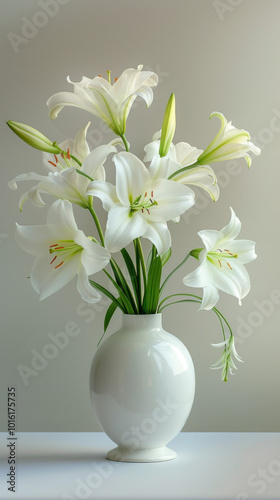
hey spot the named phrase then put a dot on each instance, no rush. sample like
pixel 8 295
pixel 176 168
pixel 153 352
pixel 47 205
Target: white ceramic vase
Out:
pixel 142 385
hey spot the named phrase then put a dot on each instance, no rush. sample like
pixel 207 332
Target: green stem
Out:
pixel 125 142
pixel 97 223
pixel 181 170
pixel 174 270
pixel 226 322
pixel 178 302
pixel 178 295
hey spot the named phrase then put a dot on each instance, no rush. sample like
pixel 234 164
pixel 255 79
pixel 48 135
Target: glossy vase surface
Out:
pixel 142 385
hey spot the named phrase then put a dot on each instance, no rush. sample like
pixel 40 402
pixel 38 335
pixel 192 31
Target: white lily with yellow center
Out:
pixel 181 155
pixel 229 143
pixel 62 252
pixel 110 103
pixel 140 205
pixel 66 179
pixel 222 264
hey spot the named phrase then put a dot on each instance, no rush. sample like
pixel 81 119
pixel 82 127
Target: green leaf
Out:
pixel 151 296
pixel 133 276
pixel 108 294
pixel 120 279
pixel 151 256
pixel 108 316
pixel 166 256
pixel 127 306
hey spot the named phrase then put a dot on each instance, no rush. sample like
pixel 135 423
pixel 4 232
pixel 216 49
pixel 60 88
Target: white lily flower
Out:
pixel 222 264
pixel 181 155
pixel 78 147
pixel 62 251
pixel 225 362
pixel 140 205
pixel 71 185
pixel 110 103
pixel 63 181
pixel 228 144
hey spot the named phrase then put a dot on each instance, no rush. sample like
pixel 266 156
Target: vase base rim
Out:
pixel 146 455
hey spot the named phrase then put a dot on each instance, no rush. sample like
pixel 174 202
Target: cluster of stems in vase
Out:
pixel 146 197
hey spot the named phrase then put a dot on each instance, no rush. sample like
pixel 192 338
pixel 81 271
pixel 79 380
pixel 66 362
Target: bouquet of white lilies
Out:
pixel 147 194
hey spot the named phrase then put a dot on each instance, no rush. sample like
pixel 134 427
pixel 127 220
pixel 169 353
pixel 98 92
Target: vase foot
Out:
pixel 119 454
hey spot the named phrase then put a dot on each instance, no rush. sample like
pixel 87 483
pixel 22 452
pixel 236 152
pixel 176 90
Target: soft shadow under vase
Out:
pixel 142 385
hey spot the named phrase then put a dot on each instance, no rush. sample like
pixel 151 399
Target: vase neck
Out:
pixel 142 321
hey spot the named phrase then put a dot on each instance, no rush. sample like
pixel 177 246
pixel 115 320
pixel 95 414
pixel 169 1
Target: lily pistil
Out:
pixel 143 203
pixel 221 256
pixel 64 249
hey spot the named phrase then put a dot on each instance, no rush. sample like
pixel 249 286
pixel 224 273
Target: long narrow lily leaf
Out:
pixel 120 279
pixel 166 256
pixel 108 294
pixel 151 296
pixel 133 276
pixel 138 273
pixel 140 261
pixel 108 316
pixel 151 256
pixel 126 303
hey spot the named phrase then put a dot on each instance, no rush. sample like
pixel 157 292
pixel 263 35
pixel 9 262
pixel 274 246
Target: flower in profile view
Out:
pixel 181 155
pixel 63 180
pixel 222 264
pixel 62 251
pixel 226 363
pixel 110 103
pixel 139 205
pixel 229 143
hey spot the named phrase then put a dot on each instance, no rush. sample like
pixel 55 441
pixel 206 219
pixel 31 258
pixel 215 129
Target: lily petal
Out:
pixel 87 292
pixel 173 199
pixel 131 177
pixel 47 280
pixel 122 229
pixel 105 191
pixel 93 164
pixel 231 230
pixel 61 214
pixel 210 297
pixel 159 234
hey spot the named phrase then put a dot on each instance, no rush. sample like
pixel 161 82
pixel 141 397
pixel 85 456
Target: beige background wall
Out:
pixel 216 56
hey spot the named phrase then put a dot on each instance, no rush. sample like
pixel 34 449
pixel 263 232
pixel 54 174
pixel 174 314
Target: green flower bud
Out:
pixel 168 127
pixel 33 137
pixel 195 253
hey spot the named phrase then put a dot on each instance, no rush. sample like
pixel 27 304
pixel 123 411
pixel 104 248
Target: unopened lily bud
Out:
pixel 33 137
pixel 195 253
pixel 168 127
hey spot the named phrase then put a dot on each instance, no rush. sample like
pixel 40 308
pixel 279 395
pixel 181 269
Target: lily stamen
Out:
pixel 52 163
pixel 222 256
pixel 58 265
pixel 143 203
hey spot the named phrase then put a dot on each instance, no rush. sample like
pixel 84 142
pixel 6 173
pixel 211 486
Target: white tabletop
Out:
pixel 212 466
